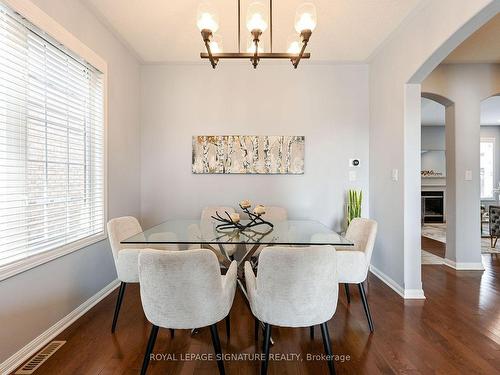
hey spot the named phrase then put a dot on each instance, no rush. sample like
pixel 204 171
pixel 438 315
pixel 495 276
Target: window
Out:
pixel 487 165
pixel 52 186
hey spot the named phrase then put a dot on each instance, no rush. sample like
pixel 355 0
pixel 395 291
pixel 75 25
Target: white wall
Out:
pixel 33 301
pixel 422 41
pixel 433 138
pixel 433 156
pixel 327 104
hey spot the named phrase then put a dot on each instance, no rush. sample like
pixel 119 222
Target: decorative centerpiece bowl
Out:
pixel 233 220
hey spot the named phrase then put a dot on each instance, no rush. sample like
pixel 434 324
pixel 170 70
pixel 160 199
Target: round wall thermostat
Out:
pixel 354 162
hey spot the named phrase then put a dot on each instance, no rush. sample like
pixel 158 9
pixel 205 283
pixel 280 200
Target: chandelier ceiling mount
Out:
pixel 256 22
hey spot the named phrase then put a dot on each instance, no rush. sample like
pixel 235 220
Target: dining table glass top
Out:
pixel 288 232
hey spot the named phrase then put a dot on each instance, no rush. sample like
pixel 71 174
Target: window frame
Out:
pixel 52 28
pixel 493 141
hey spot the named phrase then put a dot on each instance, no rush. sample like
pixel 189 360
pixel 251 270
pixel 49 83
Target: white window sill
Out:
pixel 36 260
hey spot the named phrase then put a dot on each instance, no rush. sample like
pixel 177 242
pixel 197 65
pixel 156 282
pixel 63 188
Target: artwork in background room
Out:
pixel 433 163
pixel 248 154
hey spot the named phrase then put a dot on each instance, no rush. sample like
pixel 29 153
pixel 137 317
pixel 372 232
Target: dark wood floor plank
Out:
pixel 456 330
pixel 432 246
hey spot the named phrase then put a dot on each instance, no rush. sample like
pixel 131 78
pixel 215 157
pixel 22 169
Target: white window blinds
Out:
pixel 51 143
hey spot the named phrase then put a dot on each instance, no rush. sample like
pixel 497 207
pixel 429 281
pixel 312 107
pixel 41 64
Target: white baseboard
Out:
pixel 387 280
pixel 404 293
pixel 15 360
pixel 464 266
pixel 414 294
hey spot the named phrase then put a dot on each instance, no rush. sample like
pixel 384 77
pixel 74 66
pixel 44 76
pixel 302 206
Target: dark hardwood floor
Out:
pixel 432 246
pixel 456 330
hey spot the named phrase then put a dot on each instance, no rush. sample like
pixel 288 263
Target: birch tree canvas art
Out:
pixel 250 154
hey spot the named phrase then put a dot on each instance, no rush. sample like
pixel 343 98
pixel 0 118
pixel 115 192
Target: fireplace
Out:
pixel 433 206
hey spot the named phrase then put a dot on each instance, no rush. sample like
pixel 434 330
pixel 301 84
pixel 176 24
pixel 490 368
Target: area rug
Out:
pixel 437 232
pixel 487 249
pixel 428 258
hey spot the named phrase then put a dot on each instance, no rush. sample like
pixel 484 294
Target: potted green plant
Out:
pixel 354 200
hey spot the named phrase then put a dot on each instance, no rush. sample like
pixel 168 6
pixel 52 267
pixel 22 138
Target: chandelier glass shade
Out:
pixel 257 22
pixel 305 17
pixel 207 17
pixel 256 19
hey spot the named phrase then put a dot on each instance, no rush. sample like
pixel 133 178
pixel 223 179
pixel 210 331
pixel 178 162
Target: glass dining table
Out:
pixel 233 244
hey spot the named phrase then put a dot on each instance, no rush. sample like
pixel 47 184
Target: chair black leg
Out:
pixel 347 292
pixel 119 300
pixel 217 348
pixel 256 329
pixel 365 306
pixel 149 349
pixel 172 333
pixel 228 327
pixel 311 332
pixel 267 341
pixel 328 348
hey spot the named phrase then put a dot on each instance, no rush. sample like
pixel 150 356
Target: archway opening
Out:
pixel 412 189
pixel 490 175
pixel 433 176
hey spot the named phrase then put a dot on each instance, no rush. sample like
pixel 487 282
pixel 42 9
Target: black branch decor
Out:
pixel 250 235
pixel 233 220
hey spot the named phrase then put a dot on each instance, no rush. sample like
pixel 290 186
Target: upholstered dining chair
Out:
pixel 354 261
pixel 273 214
pixel 295 287
pixel 184 290
pixel 125 257
pixel 494 223
pixel 206 218
pixel 210 211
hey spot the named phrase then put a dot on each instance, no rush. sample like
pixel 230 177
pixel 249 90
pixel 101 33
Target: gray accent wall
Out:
pixel 33 301
pixel 328 104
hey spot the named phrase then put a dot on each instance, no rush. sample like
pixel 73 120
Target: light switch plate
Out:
pixel 352 176
pixel 468 175
pixel 395 175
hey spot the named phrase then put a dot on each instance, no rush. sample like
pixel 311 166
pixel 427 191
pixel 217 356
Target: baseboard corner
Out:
pixel 23 354
pixel 414 294
pixel 387 280
pixel 463 266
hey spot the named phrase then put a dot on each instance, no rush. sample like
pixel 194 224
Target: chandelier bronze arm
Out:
pixel 206 35
pixel 262 55
pixel 255 56
pixel 306 35
pixel 256 35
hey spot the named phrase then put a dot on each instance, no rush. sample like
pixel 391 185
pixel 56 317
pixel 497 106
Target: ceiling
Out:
pixel 165 31
pixel 481 47
pixel 433 112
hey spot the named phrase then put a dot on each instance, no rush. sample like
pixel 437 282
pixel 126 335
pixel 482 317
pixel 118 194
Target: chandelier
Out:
pixel 257 24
